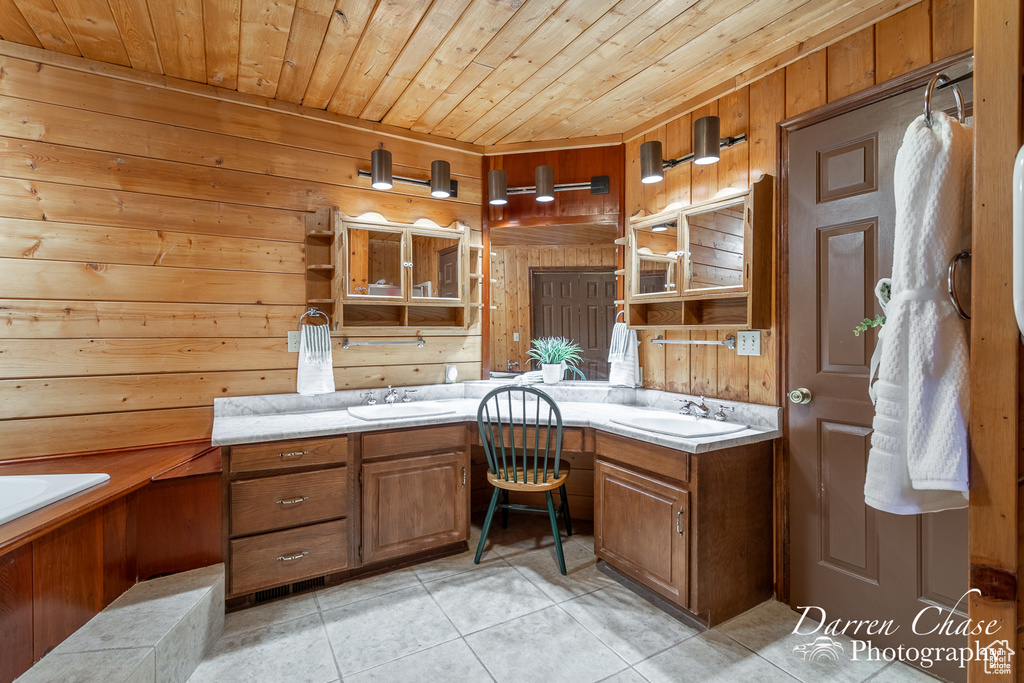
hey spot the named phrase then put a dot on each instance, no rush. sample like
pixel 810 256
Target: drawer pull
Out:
pixel 463 477
pixel 679 529
pixel 292 501
pixel 293 454
pixel 289 558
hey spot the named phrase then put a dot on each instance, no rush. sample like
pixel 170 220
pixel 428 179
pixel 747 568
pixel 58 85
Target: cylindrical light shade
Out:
pixel 380 169
pixel 440 179
pixel 706 140
pixel 545 182
pixel 497 187
pixel 651 162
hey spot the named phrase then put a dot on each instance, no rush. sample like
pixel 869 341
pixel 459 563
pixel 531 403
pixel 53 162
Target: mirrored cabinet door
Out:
pixel 375 262
pixel 436 267
pixel 657 257
pixel 715 247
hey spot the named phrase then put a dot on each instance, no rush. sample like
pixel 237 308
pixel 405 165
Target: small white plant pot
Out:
pixel 552 372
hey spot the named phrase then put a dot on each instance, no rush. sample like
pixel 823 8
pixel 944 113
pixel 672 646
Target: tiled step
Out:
pixel 157 632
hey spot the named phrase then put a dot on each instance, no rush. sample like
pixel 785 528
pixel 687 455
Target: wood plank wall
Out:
pixel 510 268
pixel 892 46
pixel 151 250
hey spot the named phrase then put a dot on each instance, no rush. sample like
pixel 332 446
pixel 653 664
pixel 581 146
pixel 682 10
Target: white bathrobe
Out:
pixel 918 457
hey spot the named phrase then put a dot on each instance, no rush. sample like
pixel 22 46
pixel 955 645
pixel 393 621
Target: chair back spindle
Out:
pixel 517 459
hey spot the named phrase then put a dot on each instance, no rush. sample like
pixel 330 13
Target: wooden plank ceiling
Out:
pixel 481 71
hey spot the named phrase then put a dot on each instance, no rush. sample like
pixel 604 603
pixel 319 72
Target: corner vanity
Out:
pixel 315 495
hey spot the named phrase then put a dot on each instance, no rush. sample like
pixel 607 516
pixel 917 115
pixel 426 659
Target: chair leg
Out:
pixel 565 510
pixel 504 511
pixel 487 526
pixel 554 529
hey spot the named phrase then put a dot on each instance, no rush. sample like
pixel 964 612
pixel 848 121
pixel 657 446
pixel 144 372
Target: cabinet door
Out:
pixel 414 504
pixel 641 527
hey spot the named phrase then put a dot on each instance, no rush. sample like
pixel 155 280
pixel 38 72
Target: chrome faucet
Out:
pixel 370 400
pixel 390 395
pixel 685 408
pixel 720 415
pixel 407 398
pixel 513 365
pixel 698 410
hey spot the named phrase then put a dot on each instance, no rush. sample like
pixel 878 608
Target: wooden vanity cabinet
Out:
pixel 415 491
pixel 696 528
pixel 287 509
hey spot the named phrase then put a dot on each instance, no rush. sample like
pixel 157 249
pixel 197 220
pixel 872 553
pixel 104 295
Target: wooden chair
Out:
pixel 523 443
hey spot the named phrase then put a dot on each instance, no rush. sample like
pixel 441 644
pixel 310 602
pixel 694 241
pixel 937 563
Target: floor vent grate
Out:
pixel 309 584
pixel 271 594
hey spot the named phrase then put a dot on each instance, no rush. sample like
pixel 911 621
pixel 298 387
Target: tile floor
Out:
pixel 512 618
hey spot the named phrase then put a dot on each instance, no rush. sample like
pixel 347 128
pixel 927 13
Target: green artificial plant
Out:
pixel 557 350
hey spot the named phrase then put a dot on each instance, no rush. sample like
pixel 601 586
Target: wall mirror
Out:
pixel 435 266
pixel 714 245
pixel 657 256
pixel 375 262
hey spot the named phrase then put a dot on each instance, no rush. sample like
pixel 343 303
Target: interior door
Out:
pixel 579 306
pixel 851 560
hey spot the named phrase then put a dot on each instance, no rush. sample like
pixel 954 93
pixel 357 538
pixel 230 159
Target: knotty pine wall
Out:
pixel 891 47
pixel 510 292
pixel 151 250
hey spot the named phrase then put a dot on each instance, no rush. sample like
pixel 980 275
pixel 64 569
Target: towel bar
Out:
pixel 728 342
pixel 345 343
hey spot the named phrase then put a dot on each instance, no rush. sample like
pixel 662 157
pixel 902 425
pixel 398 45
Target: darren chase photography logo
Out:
pixel 823 646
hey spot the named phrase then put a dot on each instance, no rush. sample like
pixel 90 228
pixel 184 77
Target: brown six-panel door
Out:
pixel 579 306
pixel 852 561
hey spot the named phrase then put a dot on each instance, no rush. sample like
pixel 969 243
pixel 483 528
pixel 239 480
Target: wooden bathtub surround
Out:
pixel 62 564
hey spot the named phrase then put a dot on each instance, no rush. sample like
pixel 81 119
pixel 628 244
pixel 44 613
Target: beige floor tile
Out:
pixel 487 596
pixel 631 626
pixel 625 676
pixel 369 587
pixel 546 645
pixel 711 657
pixel 768 630
pixel 898 672
pixel 451 662
pixel 295 650
pixel 269 614
pixel 581 577
pixel 371 632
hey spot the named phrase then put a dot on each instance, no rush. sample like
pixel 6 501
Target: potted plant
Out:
pixel 555 354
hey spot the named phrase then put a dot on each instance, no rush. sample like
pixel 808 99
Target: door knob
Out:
pixel 800 396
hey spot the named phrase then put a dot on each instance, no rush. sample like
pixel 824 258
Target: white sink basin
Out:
pixel 20 495
pixel 397 411
pixel 685 426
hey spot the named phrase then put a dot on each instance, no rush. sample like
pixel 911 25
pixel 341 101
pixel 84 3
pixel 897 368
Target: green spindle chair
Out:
pixel 524 450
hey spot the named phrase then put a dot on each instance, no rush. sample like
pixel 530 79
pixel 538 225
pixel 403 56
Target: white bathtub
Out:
pixel 20 495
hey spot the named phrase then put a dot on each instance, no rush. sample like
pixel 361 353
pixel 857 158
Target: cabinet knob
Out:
pixel 800 396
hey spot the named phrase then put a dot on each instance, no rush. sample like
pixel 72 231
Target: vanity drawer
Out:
pixel 267 560
pixel 288 500
pixel 414 441
pixel 667 462
pixel 275 455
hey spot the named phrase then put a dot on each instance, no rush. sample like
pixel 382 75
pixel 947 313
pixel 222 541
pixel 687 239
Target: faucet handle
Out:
pixel 370 400
pixel 407 398
pixel 720 415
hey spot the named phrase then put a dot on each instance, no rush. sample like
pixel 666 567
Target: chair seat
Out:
pixel 524 480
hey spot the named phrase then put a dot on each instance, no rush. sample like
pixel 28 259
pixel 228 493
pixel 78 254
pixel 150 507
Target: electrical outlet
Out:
pixel 748 343
pixel 515 336
pixel 293 341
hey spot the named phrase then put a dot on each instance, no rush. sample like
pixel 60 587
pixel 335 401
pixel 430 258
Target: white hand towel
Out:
pixel 623 356
pixel 316 365
pixel 918 457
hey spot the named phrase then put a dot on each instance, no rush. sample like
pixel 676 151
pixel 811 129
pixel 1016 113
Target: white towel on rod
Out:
pixel 918 457
pixel 316 364
pixel 623 356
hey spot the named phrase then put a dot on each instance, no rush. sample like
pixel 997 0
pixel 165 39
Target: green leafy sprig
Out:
pixel 556 350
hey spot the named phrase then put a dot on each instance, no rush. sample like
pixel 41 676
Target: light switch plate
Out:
pixel 293 341
pixel 515 336
pixel 748 343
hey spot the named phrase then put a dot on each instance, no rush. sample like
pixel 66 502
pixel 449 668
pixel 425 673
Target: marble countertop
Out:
pixel 254 419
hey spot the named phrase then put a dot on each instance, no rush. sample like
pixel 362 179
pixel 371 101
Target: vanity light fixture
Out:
pixel 380 168
pixel 440 179
pixel 706 146
pixel 545 183
pixel 497 187
pixel 651 170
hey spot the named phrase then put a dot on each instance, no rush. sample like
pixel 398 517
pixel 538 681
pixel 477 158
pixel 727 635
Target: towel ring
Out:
pixel 622 312
pixel 940 79
pixel 951 281
pixel 314 311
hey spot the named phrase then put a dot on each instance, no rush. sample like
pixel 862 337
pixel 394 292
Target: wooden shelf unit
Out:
pixel 321 261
